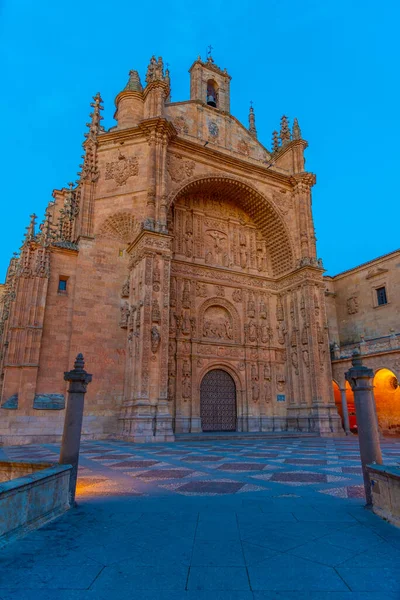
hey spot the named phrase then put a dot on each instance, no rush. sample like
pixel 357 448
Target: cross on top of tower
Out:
pixel 209 57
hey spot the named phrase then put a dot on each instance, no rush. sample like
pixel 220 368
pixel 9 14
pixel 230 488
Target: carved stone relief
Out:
pixel 352 305
pixel 155 339
pixel 125 289
pixel 237 295
pixel 124 316
pixel 186 294
pixel 120 170
pixel 220 233
pixel 155 312
pixel 217 324
pixel 186 381
pixel 201 290
pixel 179 168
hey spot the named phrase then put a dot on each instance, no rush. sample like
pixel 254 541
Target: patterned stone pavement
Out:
pixel 233 519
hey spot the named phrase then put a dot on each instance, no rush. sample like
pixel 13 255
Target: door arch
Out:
pixel 218 401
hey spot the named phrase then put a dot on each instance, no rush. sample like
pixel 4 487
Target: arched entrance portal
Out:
pixel 218 401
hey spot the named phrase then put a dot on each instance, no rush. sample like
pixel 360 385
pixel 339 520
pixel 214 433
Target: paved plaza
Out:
pixel 219 520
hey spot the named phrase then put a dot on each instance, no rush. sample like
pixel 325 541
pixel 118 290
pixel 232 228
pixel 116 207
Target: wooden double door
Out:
pixel 218 401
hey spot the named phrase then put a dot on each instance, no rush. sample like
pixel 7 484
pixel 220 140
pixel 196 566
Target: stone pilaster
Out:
pixel 302 183
pixel 158 132
pixel 145 414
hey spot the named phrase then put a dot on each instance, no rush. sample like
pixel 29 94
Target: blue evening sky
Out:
pixel 333 64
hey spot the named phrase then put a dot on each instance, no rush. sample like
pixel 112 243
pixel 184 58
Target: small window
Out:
pixel 121 252
pixel 62 284
pixel 381 296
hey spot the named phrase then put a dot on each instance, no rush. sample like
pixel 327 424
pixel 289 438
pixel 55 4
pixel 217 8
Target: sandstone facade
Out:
pixel 364 313
pixel 183 266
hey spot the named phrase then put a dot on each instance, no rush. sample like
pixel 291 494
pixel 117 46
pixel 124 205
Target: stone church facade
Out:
pixel 183 266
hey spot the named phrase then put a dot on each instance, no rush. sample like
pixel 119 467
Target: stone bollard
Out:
pixel 360 380
pixel 71 439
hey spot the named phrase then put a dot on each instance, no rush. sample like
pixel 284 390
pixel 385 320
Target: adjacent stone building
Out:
pixel 183 266
pixel 363 308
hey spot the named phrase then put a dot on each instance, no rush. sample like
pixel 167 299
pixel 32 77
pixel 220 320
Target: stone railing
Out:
pixel 366 346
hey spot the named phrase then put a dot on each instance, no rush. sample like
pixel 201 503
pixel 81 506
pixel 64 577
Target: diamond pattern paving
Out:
pixel 149 526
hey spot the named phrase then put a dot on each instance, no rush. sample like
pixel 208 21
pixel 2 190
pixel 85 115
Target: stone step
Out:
pixel 207 436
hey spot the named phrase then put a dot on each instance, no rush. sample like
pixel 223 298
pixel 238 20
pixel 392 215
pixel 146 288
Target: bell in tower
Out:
pixel 210 84
pixel 212 94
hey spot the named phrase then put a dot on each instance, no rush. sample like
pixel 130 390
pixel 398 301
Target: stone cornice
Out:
pixel 211 67
pixel 305 179
pixel 150 239
pixel 288 147
pixel 158 125
pixel 62 250
pixel 366 265
pixel 118 135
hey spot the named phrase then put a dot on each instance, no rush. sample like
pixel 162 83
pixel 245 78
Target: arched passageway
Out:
pixel 387 399
pixel 218 401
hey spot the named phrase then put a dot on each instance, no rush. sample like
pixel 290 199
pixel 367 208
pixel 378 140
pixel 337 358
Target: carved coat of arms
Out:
pixel 178 168
pixel 120 170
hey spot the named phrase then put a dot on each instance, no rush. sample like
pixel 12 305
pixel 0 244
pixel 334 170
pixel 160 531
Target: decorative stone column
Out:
pixel 71 440
pixel 345 410
pixel 145 413
pixel 360 379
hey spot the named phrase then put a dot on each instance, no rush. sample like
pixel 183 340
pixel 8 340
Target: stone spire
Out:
pixel 167 80
pixel 296 131
pixel 155 70
pixel 94 126
pixel 89 165
pixel 30 235
pixel 134 83
pixel 275 141
pixel 65 229
pixel 285 131
pixel 46 235
pixel 27 247
pixel 252 122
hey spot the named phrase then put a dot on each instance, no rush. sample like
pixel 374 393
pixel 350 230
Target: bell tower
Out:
pixel 210 84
